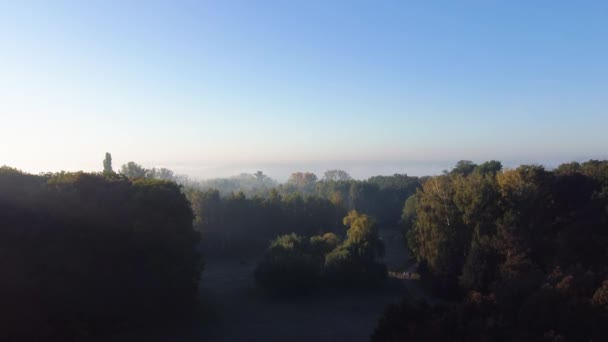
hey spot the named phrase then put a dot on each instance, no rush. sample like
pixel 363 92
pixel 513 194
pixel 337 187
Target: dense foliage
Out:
pixel 381 196
pixel 240 225
pixel 516 255
pixel 255 208
pixel 85 255
pixel 295 264
pixel 526 247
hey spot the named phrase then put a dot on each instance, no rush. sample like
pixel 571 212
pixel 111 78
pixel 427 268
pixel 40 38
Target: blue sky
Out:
pixel 384 85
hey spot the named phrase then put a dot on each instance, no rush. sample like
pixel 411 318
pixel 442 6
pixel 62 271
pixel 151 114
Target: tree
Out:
pixel 323 244
pixel 289 266
pixel 107 164
pixel 294 264
pixel 116 254
pixel 302 180
pixel 336 176
pixel 263 180
pixel 600 297
pixel 439 237
pixel 133 170
pixel 499 233
pixel 408 214
pixel 353 263
pixel 162 173
pixel 362 235
pixel 463 167
pixel 489 167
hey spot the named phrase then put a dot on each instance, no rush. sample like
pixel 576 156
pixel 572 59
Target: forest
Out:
pixel 516 255
pixel 498 254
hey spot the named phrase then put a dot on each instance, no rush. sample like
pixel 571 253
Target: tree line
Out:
pixel 303 205
pixel 240 226
pixel 240 214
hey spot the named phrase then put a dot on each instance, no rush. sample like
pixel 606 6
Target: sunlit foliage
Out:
pixel 294 264
pixel 520 252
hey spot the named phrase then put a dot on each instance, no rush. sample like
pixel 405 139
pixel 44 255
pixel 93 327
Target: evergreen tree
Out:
pixel 107 164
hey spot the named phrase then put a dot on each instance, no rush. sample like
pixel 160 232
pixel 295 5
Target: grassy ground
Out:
pixel 234 310
pixel 248 316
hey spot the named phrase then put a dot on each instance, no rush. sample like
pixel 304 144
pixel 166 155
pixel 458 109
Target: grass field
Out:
pixel 235 310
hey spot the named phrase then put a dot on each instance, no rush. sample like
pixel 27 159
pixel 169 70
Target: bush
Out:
pixel 344 270
pixel 294 264
pixel 289 266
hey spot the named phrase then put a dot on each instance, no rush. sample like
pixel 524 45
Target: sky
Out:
pixel 213 88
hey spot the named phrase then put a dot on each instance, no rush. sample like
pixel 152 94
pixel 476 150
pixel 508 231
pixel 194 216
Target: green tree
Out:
pixel 323 244
pixel 288 267
pixel 489 167
pixel 302 181
pixel 336 176
pixel 408 215
pixel 117 254
pixel 107 164
pixel 353 263
pixel 362 235
pixel 133 170
pixel 464 168
pixel 161 173
pixel 439 236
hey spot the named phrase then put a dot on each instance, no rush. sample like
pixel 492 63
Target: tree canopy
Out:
pixel 86 255
pixel 520 252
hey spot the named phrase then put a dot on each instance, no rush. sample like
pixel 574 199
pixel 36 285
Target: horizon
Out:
pixel 377 88
pixel 280 171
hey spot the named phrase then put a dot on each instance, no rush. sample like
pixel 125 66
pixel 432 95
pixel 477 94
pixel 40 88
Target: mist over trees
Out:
pixel 504 255
pixel 237 224
pixel 243 212
pixel 336 176
pixel 303 205
pixel 381 196
pixel 256 184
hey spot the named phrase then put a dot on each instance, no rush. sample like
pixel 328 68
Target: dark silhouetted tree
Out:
pixel 107 164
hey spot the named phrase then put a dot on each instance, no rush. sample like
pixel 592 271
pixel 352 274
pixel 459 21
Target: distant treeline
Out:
pixel 88 255
pixel 303 206
pixel 238 225
pixel 521 254
pixel 380 196
pixel 241 214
